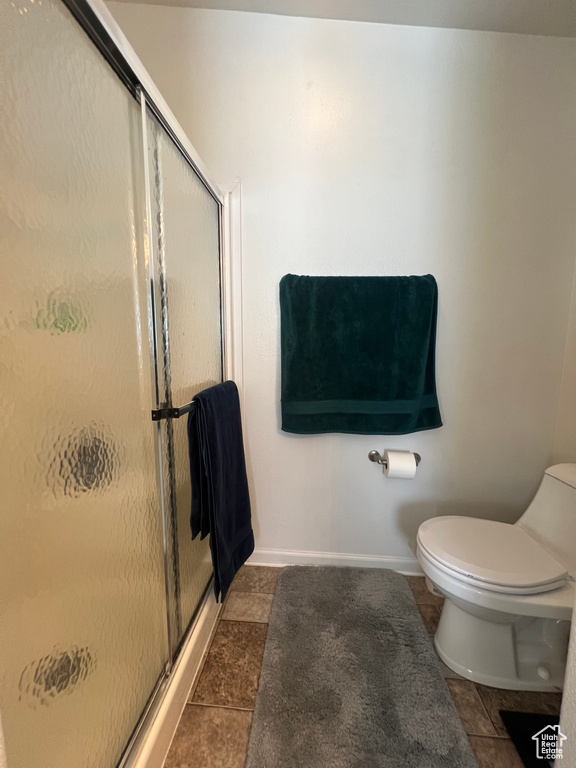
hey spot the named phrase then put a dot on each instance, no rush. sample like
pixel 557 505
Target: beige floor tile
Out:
pixel 496 699
pixel 210 737
pixel 495 753
pixel 248 606
pixel 421 593
pixel 431 616
pixel 472 712
pixel 232 668
pixel 256 578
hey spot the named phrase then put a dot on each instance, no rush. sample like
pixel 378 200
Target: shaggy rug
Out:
pixel 350 678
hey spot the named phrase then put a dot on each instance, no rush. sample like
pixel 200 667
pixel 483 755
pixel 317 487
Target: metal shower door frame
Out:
pixel 98 23
pixel 105 33
pixel 164 408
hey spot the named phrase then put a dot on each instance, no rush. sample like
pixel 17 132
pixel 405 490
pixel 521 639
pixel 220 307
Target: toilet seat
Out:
pixel 495 556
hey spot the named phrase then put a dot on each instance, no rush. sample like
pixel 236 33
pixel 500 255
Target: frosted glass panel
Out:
pixel 186 219
pixel 82 625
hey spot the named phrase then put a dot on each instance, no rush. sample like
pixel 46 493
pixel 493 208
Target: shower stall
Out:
pixel 110 308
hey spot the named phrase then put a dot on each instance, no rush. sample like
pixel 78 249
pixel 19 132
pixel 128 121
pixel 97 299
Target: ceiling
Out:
pixel 529 17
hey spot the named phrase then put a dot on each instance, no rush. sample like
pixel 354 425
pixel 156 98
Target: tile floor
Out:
pixel 215 725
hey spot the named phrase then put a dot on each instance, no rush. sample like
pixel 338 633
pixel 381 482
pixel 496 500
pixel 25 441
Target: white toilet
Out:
pixel 509 588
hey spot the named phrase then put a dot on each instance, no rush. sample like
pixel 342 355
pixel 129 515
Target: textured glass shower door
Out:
pixel 186 247
pixel 83 631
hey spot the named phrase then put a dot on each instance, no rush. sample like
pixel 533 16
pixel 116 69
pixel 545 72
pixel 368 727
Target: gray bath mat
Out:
pixel 350 678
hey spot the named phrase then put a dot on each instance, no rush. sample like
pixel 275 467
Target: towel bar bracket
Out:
pixel 173 413
pixel 165 413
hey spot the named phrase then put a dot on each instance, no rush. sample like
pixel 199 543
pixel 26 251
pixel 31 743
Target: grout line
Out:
pixel 483 735
pixel 492 738
pixel 246 621
pixel 218 706
pixel 488 718
pixel 485 708
pixel 432 605
pixel 435 605
pixel 494 724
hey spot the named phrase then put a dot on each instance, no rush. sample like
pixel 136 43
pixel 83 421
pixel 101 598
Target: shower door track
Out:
pixel 98 23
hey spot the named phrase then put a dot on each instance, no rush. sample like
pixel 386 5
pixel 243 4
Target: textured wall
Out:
pixel 372 149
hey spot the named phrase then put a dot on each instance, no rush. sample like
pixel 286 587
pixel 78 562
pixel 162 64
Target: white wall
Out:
pixel 373 149
pixel 565 438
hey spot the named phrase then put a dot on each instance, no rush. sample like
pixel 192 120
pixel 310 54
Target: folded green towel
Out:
pixel 358 354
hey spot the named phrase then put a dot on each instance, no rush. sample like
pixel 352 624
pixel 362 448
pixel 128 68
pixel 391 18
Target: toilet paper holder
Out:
pixel 375 456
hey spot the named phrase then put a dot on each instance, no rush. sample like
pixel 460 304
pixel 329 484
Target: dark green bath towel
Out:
pixel 358 354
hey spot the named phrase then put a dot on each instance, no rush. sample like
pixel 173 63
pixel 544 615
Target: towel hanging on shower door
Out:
pixel 220 498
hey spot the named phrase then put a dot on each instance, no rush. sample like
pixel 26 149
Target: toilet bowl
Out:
pixel 509 589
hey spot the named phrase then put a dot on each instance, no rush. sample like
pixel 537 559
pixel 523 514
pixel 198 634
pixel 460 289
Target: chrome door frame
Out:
pixel 99 24
pixel 105 33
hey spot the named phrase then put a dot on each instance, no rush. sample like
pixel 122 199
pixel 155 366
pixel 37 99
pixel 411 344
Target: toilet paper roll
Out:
pixel 400 464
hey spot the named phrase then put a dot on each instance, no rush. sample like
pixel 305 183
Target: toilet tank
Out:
pixel 551 517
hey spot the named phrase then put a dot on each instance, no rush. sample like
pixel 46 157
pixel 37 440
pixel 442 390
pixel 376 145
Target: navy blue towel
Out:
pixel 220 499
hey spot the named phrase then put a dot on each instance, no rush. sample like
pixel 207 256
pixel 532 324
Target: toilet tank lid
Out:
pixel 564 472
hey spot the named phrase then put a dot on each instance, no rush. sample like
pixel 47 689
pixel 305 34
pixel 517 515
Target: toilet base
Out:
pixel 515 655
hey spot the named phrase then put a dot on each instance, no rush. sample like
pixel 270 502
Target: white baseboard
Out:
pixel 280 557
